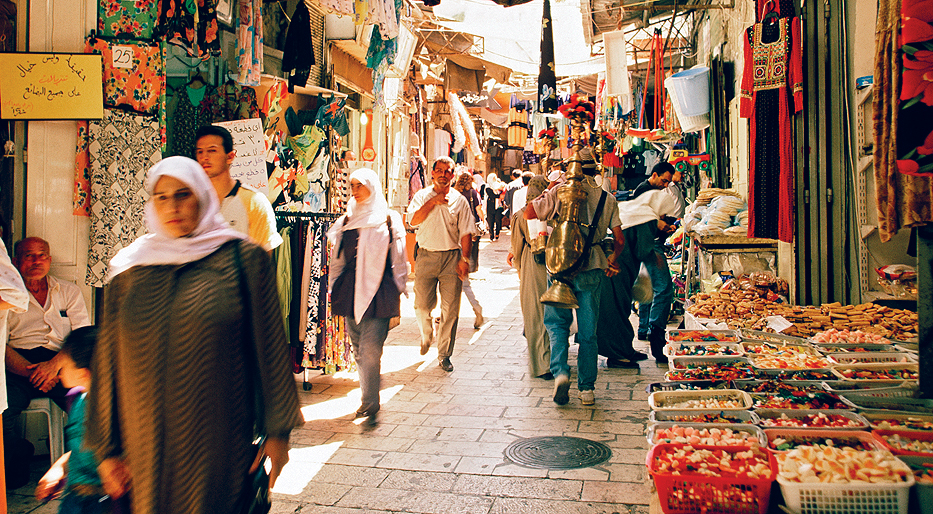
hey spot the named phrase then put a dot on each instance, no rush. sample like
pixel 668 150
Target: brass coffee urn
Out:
pixel 565 244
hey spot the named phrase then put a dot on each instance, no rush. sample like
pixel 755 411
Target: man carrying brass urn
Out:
pixel 582 214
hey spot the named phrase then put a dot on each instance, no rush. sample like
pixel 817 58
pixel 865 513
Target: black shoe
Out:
pixel 547 376
pixel 637 356
pixel 18 455
pixel 619 363
pixel 371 420
pixel 660 359
pixel 446 365
pixel 643 336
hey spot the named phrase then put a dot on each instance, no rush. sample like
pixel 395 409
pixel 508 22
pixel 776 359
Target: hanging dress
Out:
pixel 772 90
pixel 517 132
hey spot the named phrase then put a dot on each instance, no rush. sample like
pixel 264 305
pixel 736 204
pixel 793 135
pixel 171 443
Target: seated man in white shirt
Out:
pixel 56 307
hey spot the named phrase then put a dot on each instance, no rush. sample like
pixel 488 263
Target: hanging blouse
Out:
pixel 141 85
pixel 249 41
pixel 298 56
pixel 136 18
pixel 518 125
pixel 196 32
pixel 231 102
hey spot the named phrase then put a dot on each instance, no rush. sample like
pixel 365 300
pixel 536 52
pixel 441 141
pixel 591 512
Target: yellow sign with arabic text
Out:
pixel 51 86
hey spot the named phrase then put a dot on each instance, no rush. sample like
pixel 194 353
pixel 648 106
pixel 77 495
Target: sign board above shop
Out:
pixel 249 165
pixel 51 86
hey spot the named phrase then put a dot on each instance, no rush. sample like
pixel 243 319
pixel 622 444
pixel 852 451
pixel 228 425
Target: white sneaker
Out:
pixel 587 397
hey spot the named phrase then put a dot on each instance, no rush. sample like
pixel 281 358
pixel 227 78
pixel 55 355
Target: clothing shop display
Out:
pixel 141 86
pixel 903 201
pixel 190 25
pixel 229 102
pixel 187 112
pixel 133 17
pixel 249 41
pixel 121 147
pixel 298 56
pixel 518 123
pixel 772 91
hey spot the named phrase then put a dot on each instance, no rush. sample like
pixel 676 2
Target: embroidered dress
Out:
pixel 772 90
pixel 127 17
pixel 121 147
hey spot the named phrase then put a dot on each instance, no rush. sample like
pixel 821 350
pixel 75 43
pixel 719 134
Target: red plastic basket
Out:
pixel 879 434
pixel 690 494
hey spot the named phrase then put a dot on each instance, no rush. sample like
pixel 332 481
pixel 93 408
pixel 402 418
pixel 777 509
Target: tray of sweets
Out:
pixel 790 361
pixel 752 346
pixel 703 350
pixel 683 417
pixel 891 373
pixel 711 371
pixel 803 401
pixel 903 422
pixel 712 434
pixel 871 388
pixel 836 336
pixel 901 346
pixel 773 386
pixel 676 335
pixel 722 400
pixel 786 439
pixel 792 376
pixel 676 363
pixel 771 337
pixel 853 348
pixel 690 385
pixel 869 358
pixel 831 419
pixel 905 442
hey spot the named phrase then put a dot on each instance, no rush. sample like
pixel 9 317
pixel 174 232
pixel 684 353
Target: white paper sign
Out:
pixel 249 165
pixel 122 56
pixel 778 323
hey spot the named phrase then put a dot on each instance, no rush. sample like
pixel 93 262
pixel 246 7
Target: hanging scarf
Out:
pixel 158 247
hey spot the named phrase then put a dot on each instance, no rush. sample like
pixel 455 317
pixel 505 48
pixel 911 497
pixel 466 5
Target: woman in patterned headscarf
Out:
pixel 192 336
pixel 533 283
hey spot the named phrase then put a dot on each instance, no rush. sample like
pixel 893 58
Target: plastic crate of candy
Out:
pixel 709 434
pixel 869 388
pixel 902 422
pixel 906 442
pixel 703 417
pixel 786 439
pixel 722 400
pixel 708 368
pixel 869 403
pixel 857 337
pixel 737 479
pixel 756 347
pixel 703 350
pixel 676 335
pixel 869 358
pixel 828 348
pixel 889 373
pixel 922 467
pixel 817 480
pixel 798 419
pixel 791 376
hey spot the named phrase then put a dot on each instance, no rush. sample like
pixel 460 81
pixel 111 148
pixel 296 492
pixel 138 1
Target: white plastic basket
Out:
pixel 670 349
pixel 735 427
pixel 679 416
pixel 820 498
pixel 869 358
pixel 664 400
pixel 677 335
pixel 911 367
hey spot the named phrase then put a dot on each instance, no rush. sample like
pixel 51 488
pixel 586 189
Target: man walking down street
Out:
pixel 245 209
pixel 444 237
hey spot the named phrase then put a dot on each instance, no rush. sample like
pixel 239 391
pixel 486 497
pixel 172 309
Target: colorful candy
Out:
pixel 835 465
pixel 705 436
pixel 818 420
pixel 699 350
pixel 701 336
pixel 848 337
pixel 698 372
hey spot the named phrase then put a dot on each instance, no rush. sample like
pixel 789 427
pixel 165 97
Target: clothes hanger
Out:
pixel 196 79
pixel 770 13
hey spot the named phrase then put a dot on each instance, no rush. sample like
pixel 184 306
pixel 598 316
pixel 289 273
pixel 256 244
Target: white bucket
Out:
pixel 690 89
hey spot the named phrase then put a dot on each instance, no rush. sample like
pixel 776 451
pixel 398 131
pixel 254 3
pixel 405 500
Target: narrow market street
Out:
pixel 438 447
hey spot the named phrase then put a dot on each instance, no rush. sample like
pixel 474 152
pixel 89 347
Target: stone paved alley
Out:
pixel 438 447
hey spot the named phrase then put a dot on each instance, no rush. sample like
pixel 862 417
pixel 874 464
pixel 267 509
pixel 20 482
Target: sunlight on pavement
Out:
pixel 303 465
pixel 344 405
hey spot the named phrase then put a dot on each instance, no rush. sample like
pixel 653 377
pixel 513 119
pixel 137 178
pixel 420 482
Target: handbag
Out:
pixel 254 498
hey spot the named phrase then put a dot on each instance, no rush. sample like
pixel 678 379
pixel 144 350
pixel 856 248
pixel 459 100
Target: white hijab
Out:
pixel 158 247
pixel 371 212
pixel 648 206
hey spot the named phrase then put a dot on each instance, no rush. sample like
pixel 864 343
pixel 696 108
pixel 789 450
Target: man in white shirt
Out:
pixel 56 307
pixel 445 236
pixel 245 209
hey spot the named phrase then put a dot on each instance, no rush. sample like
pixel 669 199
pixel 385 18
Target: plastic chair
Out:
pixel 56 417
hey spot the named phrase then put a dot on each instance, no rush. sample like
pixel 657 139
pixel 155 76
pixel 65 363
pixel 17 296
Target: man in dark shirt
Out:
pixel 660 177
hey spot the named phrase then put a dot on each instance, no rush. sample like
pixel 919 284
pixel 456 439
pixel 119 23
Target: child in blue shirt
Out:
pixel 76 470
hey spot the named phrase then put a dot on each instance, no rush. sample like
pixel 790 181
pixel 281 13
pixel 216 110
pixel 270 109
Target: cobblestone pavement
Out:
pixel 439 443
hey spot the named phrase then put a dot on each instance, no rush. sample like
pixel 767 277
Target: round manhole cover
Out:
pixel 557 452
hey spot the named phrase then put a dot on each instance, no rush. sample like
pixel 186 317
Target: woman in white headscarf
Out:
pixel 192 336
pixel 368 274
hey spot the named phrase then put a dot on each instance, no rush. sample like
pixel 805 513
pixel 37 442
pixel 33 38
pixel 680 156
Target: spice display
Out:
pixel 818 420
pixel 838 465
pixel 705 436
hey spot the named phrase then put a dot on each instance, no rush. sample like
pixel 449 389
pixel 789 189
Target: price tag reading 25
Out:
pixel 122 56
